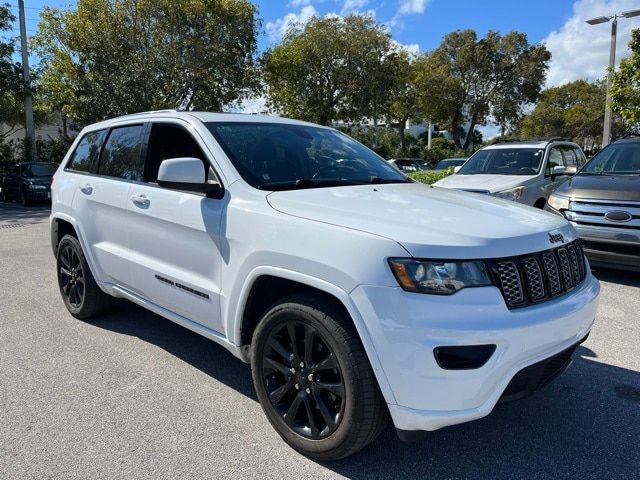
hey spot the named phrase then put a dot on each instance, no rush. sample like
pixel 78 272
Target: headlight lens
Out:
pixel 558 202
pixel 437 277
pixel 514 194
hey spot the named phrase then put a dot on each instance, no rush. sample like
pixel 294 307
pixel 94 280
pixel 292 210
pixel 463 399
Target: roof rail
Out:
pixel 560 139
pixel 166 110
pixel 632 134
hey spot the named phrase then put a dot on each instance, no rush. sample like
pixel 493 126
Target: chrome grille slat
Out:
pixel 593 213
pixel 539 276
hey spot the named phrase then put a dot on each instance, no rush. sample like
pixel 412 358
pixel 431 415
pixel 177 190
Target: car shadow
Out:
pixel 585 424
pixel 13 213
pixel 623 277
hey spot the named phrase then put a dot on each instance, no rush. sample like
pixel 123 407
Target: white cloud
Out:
pixel 278 28
pixel 407 7
pixel 581 51
pixel 351 6
pixel 412 6
pixel 253 105
pixel 413 49
pixel 298 3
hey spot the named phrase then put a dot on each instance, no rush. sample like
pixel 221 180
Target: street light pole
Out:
pixel 606 131
pixel 28 104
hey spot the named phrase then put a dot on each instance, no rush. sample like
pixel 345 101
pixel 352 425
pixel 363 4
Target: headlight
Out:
pixel 558 202
pixel 439 278
pixel 37 187
pixel 514 194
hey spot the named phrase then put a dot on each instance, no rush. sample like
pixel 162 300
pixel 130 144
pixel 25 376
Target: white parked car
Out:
pixel 523 171
pixel 354 293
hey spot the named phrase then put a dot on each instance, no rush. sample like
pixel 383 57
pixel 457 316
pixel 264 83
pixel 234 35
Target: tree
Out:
pixel 402 96
pixel 574 110
pixel 112 57
pixel 475 80
pixel 625 85
pixel 331 68
pixel 11 87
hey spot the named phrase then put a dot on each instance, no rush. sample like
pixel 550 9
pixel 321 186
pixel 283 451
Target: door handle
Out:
pixel 140 201
pixel 86 189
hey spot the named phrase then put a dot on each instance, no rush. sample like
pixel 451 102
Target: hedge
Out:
pixel 431 176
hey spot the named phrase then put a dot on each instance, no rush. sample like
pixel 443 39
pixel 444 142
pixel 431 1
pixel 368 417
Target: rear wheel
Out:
pixel 80 292
pixel 314 380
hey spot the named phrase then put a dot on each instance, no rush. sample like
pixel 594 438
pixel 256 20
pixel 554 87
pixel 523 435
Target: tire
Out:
pixel 24 201
pixel 80 292
pixel 345 402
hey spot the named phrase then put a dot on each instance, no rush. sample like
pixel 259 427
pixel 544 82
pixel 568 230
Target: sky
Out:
pixel 579 51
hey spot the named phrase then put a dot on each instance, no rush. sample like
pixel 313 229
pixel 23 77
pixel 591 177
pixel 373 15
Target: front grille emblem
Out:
pixel 556 237
pixel 618 216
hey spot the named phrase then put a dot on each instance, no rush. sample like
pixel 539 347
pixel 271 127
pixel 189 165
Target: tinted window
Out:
pixel 580 156
pixel 569 157
pixel 278 156
pixel 555 160
pixel 122 154
pixel 85 156
pixel 503 161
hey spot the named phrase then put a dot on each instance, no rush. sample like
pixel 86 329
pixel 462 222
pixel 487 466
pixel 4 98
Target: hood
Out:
pixel 429 222
pixel 603 187
pixel 39 180
pixel 483 182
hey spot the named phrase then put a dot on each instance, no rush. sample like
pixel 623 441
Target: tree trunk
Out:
pixel 468 142
pixel 65 131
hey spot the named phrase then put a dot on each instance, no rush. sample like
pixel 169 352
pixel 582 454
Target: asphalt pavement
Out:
pixel 132 395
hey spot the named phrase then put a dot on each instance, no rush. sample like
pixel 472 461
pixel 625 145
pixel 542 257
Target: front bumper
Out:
pixel 406 327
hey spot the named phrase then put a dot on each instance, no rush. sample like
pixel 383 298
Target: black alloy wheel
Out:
pixel 71 276
pixel 303 379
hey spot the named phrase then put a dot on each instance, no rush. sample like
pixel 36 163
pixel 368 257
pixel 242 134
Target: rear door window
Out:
pixel 122 156
pixel 85 156
pixel 555 160
pixel 570 159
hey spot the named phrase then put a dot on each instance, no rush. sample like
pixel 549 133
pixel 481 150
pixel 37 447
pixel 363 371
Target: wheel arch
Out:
pixel 267 284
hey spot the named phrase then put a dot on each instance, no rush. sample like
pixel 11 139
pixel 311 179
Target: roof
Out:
pixel 202 116
pixel 533 143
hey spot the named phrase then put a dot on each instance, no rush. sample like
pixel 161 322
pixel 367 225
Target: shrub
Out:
pixel 431 176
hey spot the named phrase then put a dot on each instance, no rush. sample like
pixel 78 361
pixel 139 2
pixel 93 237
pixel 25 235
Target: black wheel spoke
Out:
pixel 280 392
pixel 270 363
pixel 65 271
pixel 66 287
pixel 290 416
pixel 280 349
pixel 291 331
pixel 328 418
pixel 312 421
pixel 328 363
pixel 333 387
pixel 309 336
pixel 64 259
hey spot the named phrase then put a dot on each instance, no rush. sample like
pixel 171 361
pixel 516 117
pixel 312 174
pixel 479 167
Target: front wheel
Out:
pixel 24 200
pixel 314 380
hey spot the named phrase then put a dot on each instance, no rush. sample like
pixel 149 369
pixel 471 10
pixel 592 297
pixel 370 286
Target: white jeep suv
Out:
pixel 354 292
pixel 523 171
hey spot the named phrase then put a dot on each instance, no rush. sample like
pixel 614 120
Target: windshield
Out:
pixel 504 161
pixel 275 156
pixel 615 159
pixel 442 164
pixel 38 170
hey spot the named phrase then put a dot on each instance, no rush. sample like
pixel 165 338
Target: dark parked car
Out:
pixel 603 203
pixel 28 182
pixel 450 162
pixel 408 165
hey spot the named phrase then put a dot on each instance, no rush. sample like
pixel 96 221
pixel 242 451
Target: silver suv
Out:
pixel 523 171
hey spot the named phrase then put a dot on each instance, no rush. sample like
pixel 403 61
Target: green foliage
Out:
pixel 625 86
pixel 467 80
pixel 385 141
pixel 112 57
pixel 332 68
pixel 431 176
pixel 574 110
pixel 11 87
pixel 441 148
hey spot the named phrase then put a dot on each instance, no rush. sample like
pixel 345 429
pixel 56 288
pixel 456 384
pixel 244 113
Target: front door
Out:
pixel 175 237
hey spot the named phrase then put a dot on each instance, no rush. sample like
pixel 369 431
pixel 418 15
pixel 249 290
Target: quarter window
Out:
pixel 85 156
pixel 122 154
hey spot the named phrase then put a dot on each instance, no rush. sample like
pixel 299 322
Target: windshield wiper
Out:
pixel 301 183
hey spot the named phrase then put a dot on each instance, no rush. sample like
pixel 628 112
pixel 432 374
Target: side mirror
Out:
pixel 457 169
pixel 187 174
pixel 571 171
pixel 557 171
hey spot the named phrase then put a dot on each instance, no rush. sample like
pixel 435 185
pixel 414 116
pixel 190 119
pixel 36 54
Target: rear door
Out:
pixel 175 237
pixel 101 200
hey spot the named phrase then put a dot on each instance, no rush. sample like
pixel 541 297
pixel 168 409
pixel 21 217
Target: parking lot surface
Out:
pixel 132 395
